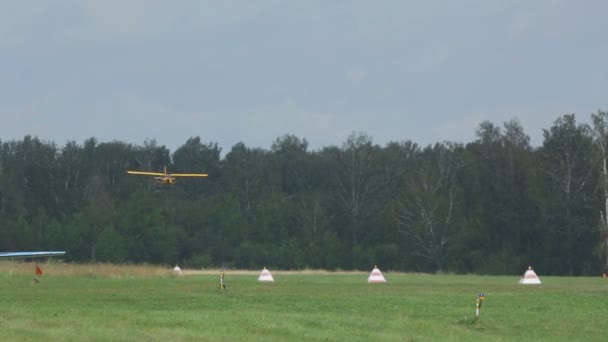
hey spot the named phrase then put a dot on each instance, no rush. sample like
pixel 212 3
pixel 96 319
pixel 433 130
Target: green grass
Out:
pixel 302 307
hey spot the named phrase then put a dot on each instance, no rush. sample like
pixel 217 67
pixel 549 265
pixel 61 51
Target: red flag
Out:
pixel 38 271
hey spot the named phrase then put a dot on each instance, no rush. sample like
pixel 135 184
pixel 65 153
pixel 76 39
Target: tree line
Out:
pixel 491 206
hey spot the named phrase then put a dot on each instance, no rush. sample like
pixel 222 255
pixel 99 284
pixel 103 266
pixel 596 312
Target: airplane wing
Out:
pixel 30 254
pixel 188 174
pixel 145 173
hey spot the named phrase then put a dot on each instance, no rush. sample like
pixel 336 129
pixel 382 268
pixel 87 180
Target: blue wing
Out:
pixel 30 254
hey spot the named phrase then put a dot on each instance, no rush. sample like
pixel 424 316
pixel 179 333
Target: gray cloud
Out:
pixel 250 71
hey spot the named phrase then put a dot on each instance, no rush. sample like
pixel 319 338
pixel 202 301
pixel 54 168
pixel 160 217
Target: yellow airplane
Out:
pixel 166 178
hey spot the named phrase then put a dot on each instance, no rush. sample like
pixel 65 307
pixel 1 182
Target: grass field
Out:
pixel 145 303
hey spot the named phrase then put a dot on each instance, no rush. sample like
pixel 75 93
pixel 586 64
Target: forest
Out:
pixel 491 206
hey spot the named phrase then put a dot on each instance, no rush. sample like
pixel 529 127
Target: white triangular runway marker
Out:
pixel 376 276
pixel 529 277
pixel 265 276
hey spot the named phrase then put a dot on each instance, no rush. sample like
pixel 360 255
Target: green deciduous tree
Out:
pixel 569 197
pixel 428 206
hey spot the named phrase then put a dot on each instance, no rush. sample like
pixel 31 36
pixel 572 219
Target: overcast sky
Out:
pixel 251 71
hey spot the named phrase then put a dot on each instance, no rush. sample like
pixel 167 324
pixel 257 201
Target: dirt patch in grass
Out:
pixel 68 269
pixel 140 270
pixel 274 272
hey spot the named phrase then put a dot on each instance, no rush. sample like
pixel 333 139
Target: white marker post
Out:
pixel 480 299
pixel 222 284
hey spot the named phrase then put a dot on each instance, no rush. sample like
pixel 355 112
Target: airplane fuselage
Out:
pixel 166 180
